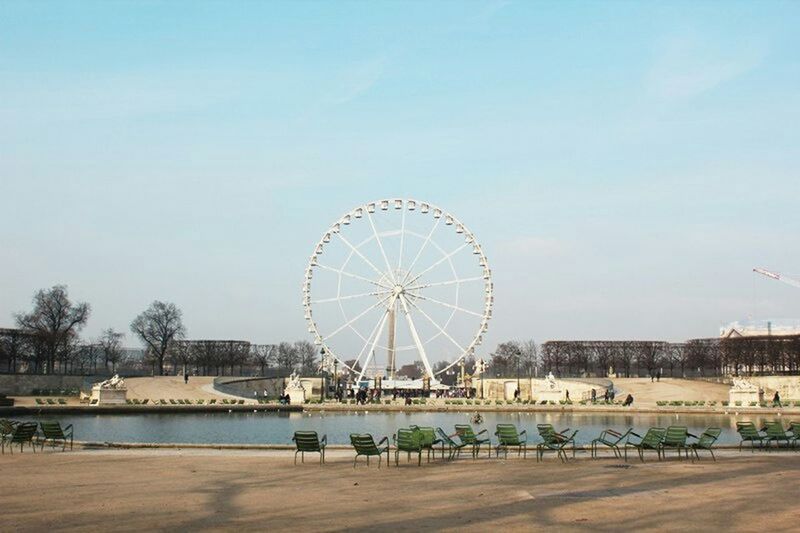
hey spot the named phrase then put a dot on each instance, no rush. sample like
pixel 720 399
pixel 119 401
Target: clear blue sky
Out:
pixel 624 164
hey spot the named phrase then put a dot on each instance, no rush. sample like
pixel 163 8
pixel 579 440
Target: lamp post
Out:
pixel 519 392
pixel 325 370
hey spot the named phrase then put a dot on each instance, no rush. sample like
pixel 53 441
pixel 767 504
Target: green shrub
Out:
pixel 725 403
pixel 387 402
pixel 737 403
pixel 661 403
pixel 498 402
pixel 469 402
pixel 753 404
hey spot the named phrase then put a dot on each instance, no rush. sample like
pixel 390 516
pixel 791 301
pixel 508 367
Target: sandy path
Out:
pixel 646 393
pixel 205 490
pixel 166 387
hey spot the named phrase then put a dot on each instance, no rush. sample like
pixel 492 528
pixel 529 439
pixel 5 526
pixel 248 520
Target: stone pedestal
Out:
pixel 745 396
pixel 109 396
pixel 297 396
pixel 549 395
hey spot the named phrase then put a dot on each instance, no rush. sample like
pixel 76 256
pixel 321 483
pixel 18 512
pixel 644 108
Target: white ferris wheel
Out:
pixel 395 282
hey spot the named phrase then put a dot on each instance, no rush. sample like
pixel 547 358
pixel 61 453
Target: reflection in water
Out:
pixel 277 428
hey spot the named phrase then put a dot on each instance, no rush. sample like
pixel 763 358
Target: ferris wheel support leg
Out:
pixel 415 336
pixel 374 343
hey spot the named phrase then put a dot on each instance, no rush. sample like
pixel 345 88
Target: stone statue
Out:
pixel 294 381
pixel 551 381
pixel 115 382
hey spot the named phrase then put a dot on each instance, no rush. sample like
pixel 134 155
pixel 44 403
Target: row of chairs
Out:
pixel 773 431
pixel 14 433
pixel 415 440
pixel 51 401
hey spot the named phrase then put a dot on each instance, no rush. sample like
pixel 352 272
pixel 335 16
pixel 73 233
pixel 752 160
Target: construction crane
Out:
pixel 774 275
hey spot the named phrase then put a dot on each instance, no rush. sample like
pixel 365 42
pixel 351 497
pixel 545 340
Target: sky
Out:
pixel 624 165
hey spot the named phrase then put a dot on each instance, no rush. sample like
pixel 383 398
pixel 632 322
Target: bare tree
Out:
pixel 111 345
pixel 307 358
pixel 156 327
pixel 506 358
pixel 263 355
pixel 287 357
pixel 55 321
pixel 530 357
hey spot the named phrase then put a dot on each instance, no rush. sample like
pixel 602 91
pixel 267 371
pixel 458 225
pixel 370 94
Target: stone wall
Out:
pixel 787 386
pixel 255 387
pixel 24 384
pixel 533 388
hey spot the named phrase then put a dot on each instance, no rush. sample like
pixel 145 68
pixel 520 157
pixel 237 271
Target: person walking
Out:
pixel 185 378
pixel 776 400
pixel 594 395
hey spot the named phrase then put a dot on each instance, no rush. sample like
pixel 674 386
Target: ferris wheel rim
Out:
pixel 408 204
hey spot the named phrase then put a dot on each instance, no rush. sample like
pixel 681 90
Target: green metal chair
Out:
pixel 555 442
pixel 795 428
pixel 611 439
pixel 548 433
pixel 6 429
pixel 675 438
pixel 408 441
pixel 749 433
pixel 776 433
pixel 429 440
pixel 454 447
pixel 466 433
pixel 364 444
pixel 705 441
pixel 651 441
pixel 508 436
pixel 309 441
pixel 22 434
pixel 53 432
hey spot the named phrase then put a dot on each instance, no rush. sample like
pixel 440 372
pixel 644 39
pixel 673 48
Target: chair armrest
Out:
pixel 384 439
pixel 612 432
pixel 691 435
pixel 564 430
pixel 68 429
pixel 524 432
pixel 481 432
pixel 635 434
pixel 324 439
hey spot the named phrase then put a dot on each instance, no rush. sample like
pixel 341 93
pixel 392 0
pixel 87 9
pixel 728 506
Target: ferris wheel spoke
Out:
pixel 350 297
pixel 402 239
pixel 359 254
pixel 389 269
pixel 358 316
pixel 374 334
pixel 415 336
pixel 375 339
pixel 437 326
pixel 445 304
pixel 421 249
pixel 439 262
pixel 440 283
pixel 351 275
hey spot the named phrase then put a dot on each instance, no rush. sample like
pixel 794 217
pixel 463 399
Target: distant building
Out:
pixel 757 328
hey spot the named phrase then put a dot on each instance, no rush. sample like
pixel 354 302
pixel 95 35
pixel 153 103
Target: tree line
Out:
pixel 47 341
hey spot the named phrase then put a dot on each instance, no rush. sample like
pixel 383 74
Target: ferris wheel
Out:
pixel 394 282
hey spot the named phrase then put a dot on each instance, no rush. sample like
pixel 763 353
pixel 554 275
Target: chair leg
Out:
pixel 295 458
